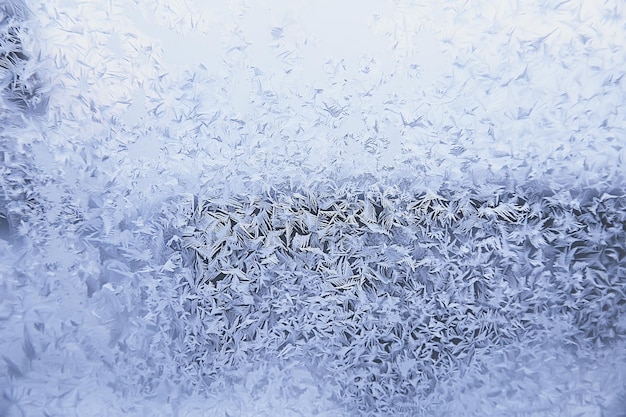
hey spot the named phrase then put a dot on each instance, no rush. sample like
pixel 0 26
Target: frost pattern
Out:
pixel 312 208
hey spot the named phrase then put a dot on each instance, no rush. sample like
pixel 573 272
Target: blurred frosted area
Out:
pixel 116 114
pixel 285 89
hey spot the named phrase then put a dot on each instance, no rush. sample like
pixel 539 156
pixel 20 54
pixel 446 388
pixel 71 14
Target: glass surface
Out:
pixel 298 208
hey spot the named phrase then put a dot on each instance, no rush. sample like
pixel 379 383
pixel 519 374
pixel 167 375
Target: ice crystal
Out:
pixel 19 82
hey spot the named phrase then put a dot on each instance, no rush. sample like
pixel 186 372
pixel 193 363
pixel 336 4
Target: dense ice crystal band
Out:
pixel 388 293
